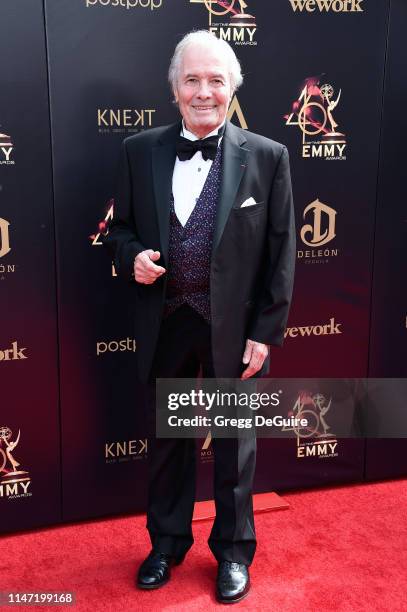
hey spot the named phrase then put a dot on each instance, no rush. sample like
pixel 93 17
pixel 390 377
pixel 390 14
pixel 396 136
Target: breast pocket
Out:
pixel 246 227
pixel 248 211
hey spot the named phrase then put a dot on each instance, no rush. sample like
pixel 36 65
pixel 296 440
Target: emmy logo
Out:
pixel 313 439
pixel 242 25
pixel 312 112
pixel 313 409
pixel 7 459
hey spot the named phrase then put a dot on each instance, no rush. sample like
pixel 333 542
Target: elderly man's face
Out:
pixel 203 91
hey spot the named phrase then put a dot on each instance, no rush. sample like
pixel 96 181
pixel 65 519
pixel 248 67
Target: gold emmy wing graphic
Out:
pixel 7 459
pixel 236 8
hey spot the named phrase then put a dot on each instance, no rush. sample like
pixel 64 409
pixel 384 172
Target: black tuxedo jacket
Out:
pixel 253 255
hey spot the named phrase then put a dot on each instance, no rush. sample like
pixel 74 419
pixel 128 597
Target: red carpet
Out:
pixel 333 549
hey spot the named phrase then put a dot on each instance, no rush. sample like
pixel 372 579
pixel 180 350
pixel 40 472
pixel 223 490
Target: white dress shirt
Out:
pixel 189 177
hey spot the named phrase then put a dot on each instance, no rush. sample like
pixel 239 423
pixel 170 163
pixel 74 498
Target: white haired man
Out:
pixel 204 230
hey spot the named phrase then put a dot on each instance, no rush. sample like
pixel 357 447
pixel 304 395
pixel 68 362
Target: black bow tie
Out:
pixel 187 148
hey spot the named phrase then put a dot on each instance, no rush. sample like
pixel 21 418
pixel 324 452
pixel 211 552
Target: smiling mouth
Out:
pixel 202 108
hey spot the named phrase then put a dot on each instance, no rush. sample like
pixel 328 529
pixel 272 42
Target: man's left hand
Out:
pixel 255 353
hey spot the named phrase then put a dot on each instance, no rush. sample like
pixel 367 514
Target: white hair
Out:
pixel 205 38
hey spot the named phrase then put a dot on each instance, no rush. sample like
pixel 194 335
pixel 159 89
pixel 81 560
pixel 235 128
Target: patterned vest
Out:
pixel 190 248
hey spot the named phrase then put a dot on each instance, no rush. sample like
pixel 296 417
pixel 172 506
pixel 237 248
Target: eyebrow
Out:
pixel 212 76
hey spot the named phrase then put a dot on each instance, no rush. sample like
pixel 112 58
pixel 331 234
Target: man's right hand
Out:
pixel 145 270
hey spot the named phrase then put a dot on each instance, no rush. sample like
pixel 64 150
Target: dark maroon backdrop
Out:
pixel 87 76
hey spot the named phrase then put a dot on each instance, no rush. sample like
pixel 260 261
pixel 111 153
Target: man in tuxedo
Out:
pixel 203 229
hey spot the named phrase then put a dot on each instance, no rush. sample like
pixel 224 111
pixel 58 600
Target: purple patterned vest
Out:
pixel 190 248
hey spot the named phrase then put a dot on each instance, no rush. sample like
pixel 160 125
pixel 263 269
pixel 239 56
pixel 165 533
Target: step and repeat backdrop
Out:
pixel 324 77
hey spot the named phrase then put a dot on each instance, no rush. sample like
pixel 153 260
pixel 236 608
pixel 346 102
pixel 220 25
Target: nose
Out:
pixel 204 90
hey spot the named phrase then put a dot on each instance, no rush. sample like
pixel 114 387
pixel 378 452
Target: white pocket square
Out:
pixel 249 202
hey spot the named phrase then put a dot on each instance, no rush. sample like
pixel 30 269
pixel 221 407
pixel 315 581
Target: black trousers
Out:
pixel 184 347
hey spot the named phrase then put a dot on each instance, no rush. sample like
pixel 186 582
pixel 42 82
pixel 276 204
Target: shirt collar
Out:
pixel 190 136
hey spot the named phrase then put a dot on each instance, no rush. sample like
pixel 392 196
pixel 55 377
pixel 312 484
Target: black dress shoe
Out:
pixel 232 582
pixel 155 570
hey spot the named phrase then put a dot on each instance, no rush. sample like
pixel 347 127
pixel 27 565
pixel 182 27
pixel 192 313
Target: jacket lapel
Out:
pixel 234 160
pixel 163 159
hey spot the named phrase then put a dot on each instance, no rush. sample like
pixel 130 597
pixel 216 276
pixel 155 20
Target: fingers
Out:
pixel 145 270
pixel 149 257
pixel 247 352
pixel 153 255
pixel 255 355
